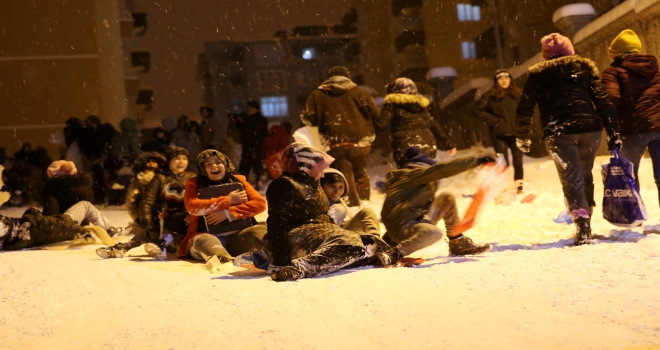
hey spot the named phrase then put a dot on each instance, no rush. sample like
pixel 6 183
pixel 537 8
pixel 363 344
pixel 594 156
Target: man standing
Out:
pixel 345 116
pixel 254 130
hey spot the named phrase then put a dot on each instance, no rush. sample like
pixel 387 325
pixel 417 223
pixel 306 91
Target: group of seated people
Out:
pixel 210 217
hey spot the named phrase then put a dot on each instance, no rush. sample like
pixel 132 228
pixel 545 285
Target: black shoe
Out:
pixel 465 246
pixel 388 258
pixel 287 273
pixel 583 231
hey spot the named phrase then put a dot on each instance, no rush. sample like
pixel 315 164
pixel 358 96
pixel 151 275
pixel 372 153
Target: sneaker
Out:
pixel 111 252
pixel 252 260
pixel 465 246
pixel 287 273
pixel 158 252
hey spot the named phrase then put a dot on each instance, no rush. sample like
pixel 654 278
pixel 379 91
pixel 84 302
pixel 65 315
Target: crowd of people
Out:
pixel 187 198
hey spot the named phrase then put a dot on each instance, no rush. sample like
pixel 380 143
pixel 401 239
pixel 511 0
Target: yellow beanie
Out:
pixel 626 42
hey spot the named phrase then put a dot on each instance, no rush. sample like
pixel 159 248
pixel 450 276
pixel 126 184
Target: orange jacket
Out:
pixel 200 207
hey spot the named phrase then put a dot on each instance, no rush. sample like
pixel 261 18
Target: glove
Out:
pixel 523 145
pixel 486 159
pixel 614 141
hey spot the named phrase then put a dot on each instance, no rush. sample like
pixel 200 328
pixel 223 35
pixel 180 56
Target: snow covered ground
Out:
pixel 533 291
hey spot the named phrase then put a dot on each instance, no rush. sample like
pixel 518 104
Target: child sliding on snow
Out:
pixel 411 210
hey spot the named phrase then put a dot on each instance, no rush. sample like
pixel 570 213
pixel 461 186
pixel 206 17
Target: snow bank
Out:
pixel 441 72
pixel 580 9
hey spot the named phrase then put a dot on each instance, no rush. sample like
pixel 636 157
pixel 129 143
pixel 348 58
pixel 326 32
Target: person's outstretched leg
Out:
pixel 205 246
pixel 248 240
pixel 443 207
pixel 323 261
pixel 84 210
pixel 365 222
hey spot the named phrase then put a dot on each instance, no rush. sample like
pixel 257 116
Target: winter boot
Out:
pixel 116 251
pixel 157 251
pixel 287 273
pixel 387 258
pixel 583 232
pixel 463 245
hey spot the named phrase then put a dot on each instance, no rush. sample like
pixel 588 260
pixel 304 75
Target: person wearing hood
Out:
pixel 406 111
pixel 633 83
pixel 345 115
pixel 158 143
pixel 303 241
pixel 412 210
pixel 574 106
pixel 215 169
pixel 126 143
pixel 147 167
pixel 155 197
pixel 497 107
pixel 334 186
pixel 65 187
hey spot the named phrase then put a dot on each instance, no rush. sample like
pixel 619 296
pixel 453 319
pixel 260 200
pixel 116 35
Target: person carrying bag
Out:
pixel 622 204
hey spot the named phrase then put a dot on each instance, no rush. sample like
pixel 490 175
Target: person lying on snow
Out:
pixel 215 169
pixel 411 210
pixel 303 241
pixel 159 195
pixel 34 229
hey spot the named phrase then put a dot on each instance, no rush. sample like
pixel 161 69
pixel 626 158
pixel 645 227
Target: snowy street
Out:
pixel 533 291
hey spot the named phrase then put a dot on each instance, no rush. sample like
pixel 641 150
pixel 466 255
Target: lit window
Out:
pixel 467 12
pixel 274 106
pixel 469 49
pixel 308 53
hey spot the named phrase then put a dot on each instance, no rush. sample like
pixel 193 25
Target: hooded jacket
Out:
pixel 412 124
pixel 126 143
pixel 62 192
pixel 411 190
pixel 497 107
pixel 342 111
pixel 143 189
pixel 633 83
pixel 566 90
pixel 339 209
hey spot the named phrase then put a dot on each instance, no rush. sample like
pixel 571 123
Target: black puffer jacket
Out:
pixel 497 108
pixel 62 192
pixel 412 124
pixel 295 202
pixel 141 195
pixel 566 90
pixel 43 229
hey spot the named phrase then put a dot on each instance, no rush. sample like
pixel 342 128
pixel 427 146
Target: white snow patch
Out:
pixel 580 9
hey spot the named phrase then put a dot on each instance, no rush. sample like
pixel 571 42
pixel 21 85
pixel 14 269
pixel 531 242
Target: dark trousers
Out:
pixel 251 160
pixel 574 158
pixel 502 144
pixel 352 162
pixel 634 147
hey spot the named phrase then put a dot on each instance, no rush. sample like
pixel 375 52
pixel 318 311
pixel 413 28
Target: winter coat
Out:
pixel 410 191
pixel 497 108
pixel 412 124
pixel 633 82
pixel 210 132
pixel 297 216
pixel 62 192
pixel 197 207
pixel 566 90
pixel 34 229
pixel 338 210
pixel 142 191
pixel 276 141
pixel 153 200
pixel 253 129
pixel 126 143
pixel 342 111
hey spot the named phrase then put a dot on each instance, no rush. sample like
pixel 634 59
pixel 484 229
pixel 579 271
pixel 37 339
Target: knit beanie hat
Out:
pixel 173 151
pixel 626 42
pixel 501 73
pixel 556 45
pixel 414 158
pixel 302 158
pixel 205 155
pixel 61 168
pixel 339 70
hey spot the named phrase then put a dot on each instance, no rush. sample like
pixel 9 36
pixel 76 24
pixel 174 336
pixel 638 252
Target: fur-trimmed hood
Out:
pixel 337 85
pixel 140 163
pixel 406 98
pixel 556 62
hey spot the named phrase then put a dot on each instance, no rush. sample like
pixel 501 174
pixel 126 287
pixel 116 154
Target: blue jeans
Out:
pixel 634 147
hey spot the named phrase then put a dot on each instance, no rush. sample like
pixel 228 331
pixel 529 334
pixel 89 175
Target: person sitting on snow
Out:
pixel 411 210
pixel 34 229
pixel 335 186
pixel 65 187
pixel 140 197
